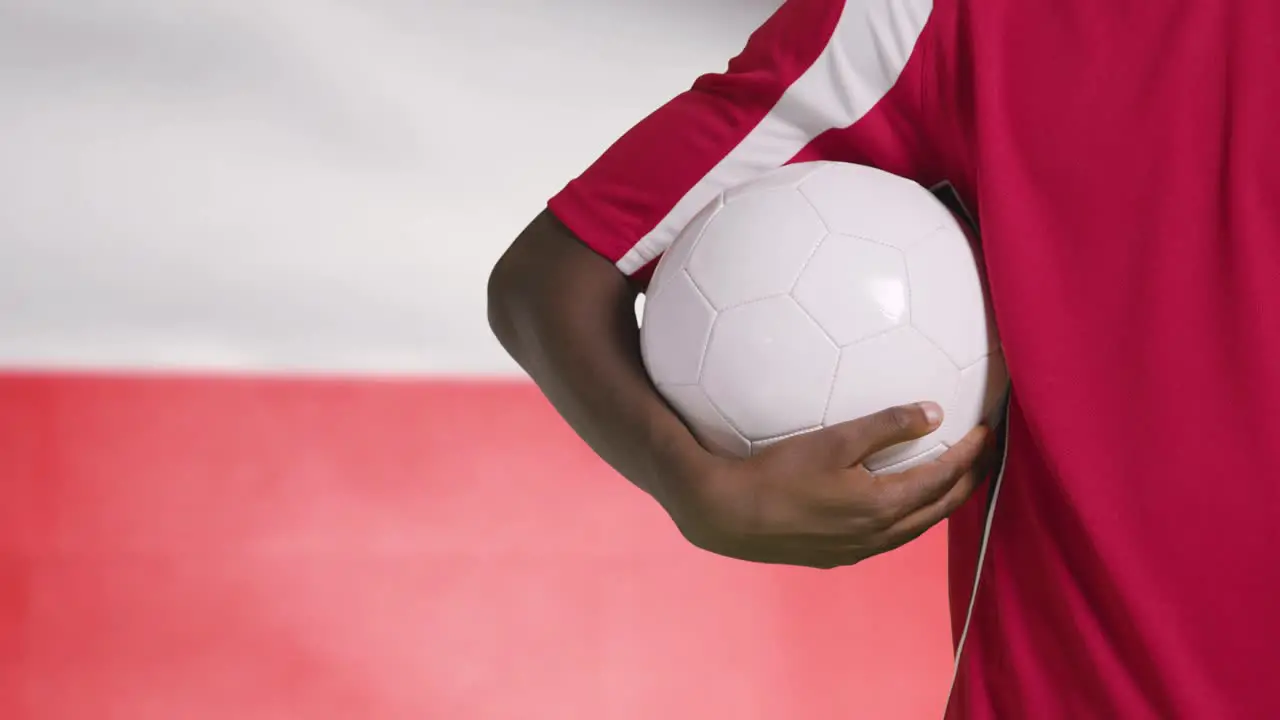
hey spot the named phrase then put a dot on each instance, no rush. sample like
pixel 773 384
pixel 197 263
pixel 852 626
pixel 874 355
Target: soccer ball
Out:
pixel 819 293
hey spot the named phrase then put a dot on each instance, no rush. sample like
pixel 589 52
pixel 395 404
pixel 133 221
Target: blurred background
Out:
pixel 259 455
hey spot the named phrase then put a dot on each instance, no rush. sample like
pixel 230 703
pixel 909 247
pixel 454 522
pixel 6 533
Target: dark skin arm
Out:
pixel 567 317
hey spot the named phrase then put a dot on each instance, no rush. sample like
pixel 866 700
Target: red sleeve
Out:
pixel 821 79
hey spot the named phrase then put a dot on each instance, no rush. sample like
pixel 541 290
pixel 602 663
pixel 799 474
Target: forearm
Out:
pixel 567 316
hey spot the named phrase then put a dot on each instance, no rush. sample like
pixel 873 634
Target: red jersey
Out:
pixel 1121 158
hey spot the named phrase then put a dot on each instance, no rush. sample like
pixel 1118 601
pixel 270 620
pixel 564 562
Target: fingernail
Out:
pixel 932 412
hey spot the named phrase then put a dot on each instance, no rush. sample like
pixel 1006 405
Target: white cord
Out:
pixel 982 555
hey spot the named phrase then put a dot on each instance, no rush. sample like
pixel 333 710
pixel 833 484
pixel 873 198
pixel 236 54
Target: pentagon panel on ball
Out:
pixel 815 294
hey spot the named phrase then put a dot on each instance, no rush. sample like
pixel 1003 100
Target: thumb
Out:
pixel 850 442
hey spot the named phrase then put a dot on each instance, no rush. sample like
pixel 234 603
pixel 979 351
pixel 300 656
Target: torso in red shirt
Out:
pixel 1122 158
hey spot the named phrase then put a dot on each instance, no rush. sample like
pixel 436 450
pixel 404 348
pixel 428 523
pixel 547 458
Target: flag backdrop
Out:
pixel 259 457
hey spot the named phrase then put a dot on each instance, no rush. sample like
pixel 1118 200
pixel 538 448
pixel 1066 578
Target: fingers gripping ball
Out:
pixel 816 294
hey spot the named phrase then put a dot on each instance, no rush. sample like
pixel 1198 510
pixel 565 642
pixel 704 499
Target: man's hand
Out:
pixel 809 501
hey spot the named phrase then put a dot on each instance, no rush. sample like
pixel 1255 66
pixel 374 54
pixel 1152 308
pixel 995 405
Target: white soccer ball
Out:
pixel 819 293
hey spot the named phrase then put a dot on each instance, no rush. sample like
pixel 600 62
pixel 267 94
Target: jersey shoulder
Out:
pixel 842 80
